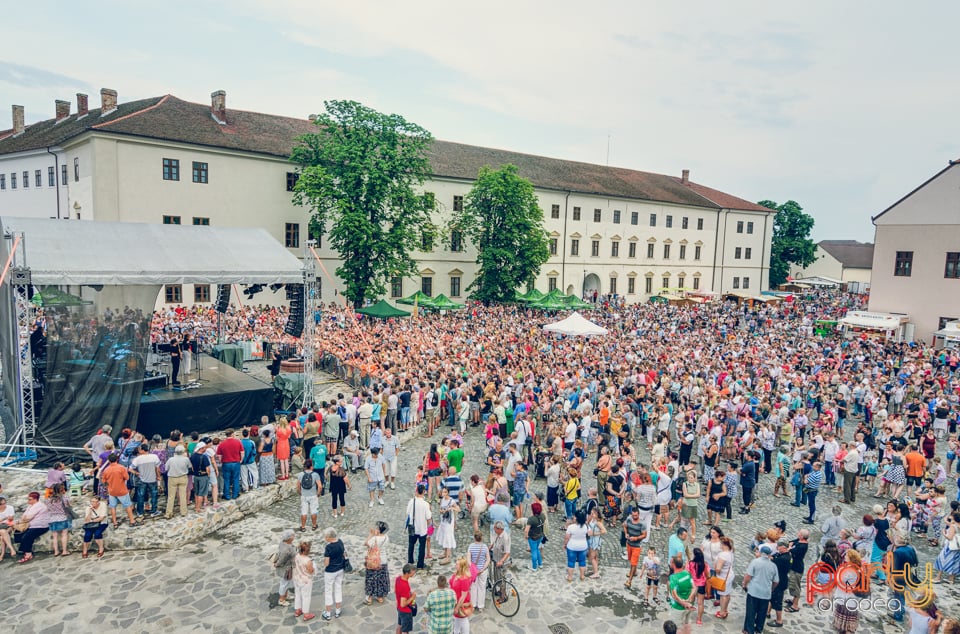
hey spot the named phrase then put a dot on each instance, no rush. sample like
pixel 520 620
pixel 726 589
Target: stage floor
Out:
pixel 226 398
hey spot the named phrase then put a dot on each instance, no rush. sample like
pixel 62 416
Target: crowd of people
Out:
pixel 668 423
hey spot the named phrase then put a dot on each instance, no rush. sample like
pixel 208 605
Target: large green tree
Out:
pixel 502 218
pixel 359 175
pixel 791 240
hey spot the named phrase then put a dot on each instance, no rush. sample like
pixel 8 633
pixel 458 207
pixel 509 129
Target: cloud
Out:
pixel 31 77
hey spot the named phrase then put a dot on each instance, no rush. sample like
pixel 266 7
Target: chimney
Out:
pixel 82 107
pixel 63 109
pixel 17 120
pixel 108 101
pixel 685 177
pixel 218 106
pixel 311 117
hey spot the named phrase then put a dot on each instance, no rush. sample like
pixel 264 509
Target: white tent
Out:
pixel 576 325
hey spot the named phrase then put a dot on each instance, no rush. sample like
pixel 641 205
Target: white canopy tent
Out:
pixel 72 252
pixel 576 325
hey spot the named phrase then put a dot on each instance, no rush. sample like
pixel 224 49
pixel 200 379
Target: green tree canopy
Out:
pixel 791 240
pixel 358 174
pixel 502 218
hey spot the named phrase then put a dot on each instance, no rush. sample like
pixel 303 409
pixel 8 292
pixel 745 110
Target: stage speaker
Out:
pixel 294 325
pixel 223 298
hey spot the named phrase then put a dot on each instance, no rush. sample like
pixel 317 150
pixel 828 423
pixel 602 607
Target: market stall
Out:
pixel 867 325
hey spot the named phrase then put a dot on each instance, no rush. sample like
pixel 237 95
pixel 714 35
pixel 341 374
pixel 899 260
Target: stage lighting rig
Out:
pixel 252 290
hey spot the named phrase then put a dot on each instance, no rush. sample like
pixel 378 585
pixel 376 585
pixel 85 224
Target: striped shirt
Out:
pixel 732 480
pixel 479 554
pixel 814 480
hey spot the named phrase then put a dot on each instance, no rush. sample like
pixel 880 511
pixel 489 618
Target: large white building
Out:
pixel 916 257
pixel 163 159
pixel 846 261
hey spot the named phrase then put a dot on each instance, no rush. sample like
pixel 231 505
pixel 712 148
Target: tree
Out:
pixel 358 175
pixel 791 242
pixel 502 218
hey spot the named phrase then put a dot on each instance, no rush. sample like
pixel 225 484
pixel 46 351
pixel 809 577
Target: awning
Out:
pixel 77 252
pixel 875 321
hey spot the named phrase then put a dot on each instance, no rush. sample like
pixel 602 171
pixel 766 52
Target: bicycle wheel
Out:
pixel 506 599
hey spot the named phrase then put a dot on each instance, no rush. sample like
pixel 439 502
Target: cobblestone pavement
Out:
pixel 224 583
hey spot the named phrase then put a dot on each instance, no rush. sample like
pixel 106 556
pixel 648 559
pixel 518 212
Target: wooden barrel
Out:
pixel 292 366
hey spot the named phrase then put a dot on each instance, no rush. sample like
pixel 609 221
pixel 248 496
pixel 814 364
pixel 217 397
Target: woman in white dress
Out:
pixel 478 501
pixel 446 537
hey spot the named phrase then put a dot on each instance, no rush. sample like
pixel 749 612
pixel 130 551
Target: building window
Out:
pixel 171 169
pixel 594 248
pixel 201 222
pixel 747 252
pixel 653 220
pixel 683 252
pixel 3 181
pixel 648 285
pixel 458 203
pixel 200 172
pixel 456 239
pixel 903 266
pixel 396 286
pixel 576 213
pixel 613 285
pixel 631 285
pixel 551 283
pixel 426 286
pixel 650 250
pixel 26 179
pixel 681 282
pixel 51 177
pixel 614 249
pixel 171 220
pixel 574 247
pixel 634 217
pixel 173 293
pixel 597 214
pixel 746 282
pixel 669 223
pixel 666 282
pixel 696 283
pixel 553 246
pixel 952 268
pixel 737 253
pixel 426 242
pixel 699 224
pixel 616 216
pixel 736 282
pixel 632 250
pixel 291 235
pixel 685 223
pixel 749 230
pixel 739 226
pixel 292 178
pixel 38 178
pixel 554 211
pixel 13 180
pixel 696 253
pixel 454 287
pixel 201 293
pixel 666 252
pixel 63 174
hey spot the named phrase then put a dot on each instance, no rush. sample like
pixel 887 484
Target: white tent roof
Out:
pixel 877 321
pixel 577 325
pixel 78 252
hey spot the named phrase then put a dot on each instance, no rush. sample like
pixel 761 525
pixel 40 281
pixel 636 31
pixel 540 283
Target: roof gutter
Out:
pixel 56 178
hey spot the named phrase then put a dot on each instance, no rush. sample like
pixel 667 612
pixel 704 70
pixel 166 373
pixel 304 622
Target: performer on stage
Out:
pixel 186 349
pixel 175 359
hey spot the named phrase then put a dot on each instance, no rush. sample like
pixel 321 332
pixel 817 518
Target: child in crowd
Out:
pixel 870 467
pixel 651 569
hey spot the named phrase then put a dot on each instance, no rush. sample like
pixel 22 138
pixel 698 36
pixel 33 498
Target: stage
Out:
pixel 226 398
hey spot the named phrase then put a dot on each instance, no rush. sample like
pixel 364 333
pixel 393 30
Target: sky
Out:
pixel 842 106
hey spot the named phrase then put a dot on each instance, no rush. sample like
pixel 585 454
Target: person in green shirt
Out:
pixel 508 409
pixel 681 590
pixel 455 456
pixel 318 456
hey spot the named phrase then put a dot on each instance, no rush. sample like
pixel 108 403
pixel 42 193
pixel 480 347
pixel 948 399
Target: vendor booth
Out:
pixel 885 326
pixel 948 337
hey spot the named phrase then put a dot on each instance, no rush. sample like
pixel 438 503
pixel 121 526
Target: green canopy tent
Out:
pixel 53 296
pixel 574 302
pixel 442 302
pixel 533 295
pixel 419 298
pixel 382 310
pixel 550 303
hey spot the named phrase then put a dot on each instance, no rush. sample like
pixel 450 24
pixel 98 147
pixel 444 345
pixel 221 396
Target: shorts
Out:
pixel 434 473
pixel 575 557
pixel 309 505
pixel 474 406
pixel 519 498
pixel 633 554
pixel 653 582
pixel 914 481
pixel 122 500
pixel 201 486
pixel 405 621
pixel 61 526
pixel 701 589
pixel 375 485
pixel 776 601
pixel 682 617
pixel 793 583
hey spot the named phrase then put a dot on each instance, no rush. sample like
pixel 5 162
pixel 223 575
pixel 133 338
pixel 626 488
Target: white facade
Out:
pixel 607 244
pixel 916 260
pixel 32 184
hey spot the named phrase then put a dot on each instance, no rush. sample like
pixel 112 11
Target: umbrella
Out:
pixel 53 296
pixel 382 310
pixel 442 302
pixel 419 298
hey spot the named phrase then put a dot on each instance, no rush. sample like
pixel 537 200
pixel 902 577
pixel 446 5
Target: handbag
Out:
pixel 347 566
pixel 413 609
pixel 91 526
pixel 20 527
pixel 70 513
pixel 464 610
pixel 954 542
pixel 716 583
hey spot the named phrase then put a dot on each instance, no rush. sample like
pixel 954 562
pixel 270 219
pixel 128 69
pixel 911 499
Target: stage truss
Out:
pixel 311 294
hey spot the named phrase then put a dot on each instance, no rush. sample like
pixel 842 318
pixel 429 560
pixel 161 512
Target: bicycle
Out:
pixel 506 599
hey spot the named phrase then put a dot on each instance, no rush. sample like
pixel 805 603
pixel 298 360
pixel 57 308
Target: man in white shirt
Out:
pixel 418 517
pixel 830 449
pixel 851 467
pixel 569 435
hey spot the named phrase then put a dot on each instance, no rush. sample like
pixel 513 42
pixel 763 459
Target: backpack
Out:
pixel 435 401
pixel 306 480
pixel 372 560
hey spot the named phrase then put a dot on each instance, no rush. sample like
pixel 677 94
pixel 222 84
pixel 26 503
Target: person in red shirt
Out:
pixel 405 598
pixel 230 451
pixel 115 476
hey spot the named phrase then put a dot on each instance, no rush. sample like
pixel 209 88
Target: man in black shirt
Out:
pixel 748 480
pixel 782 560
pixel 175 360
pixel 798 550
